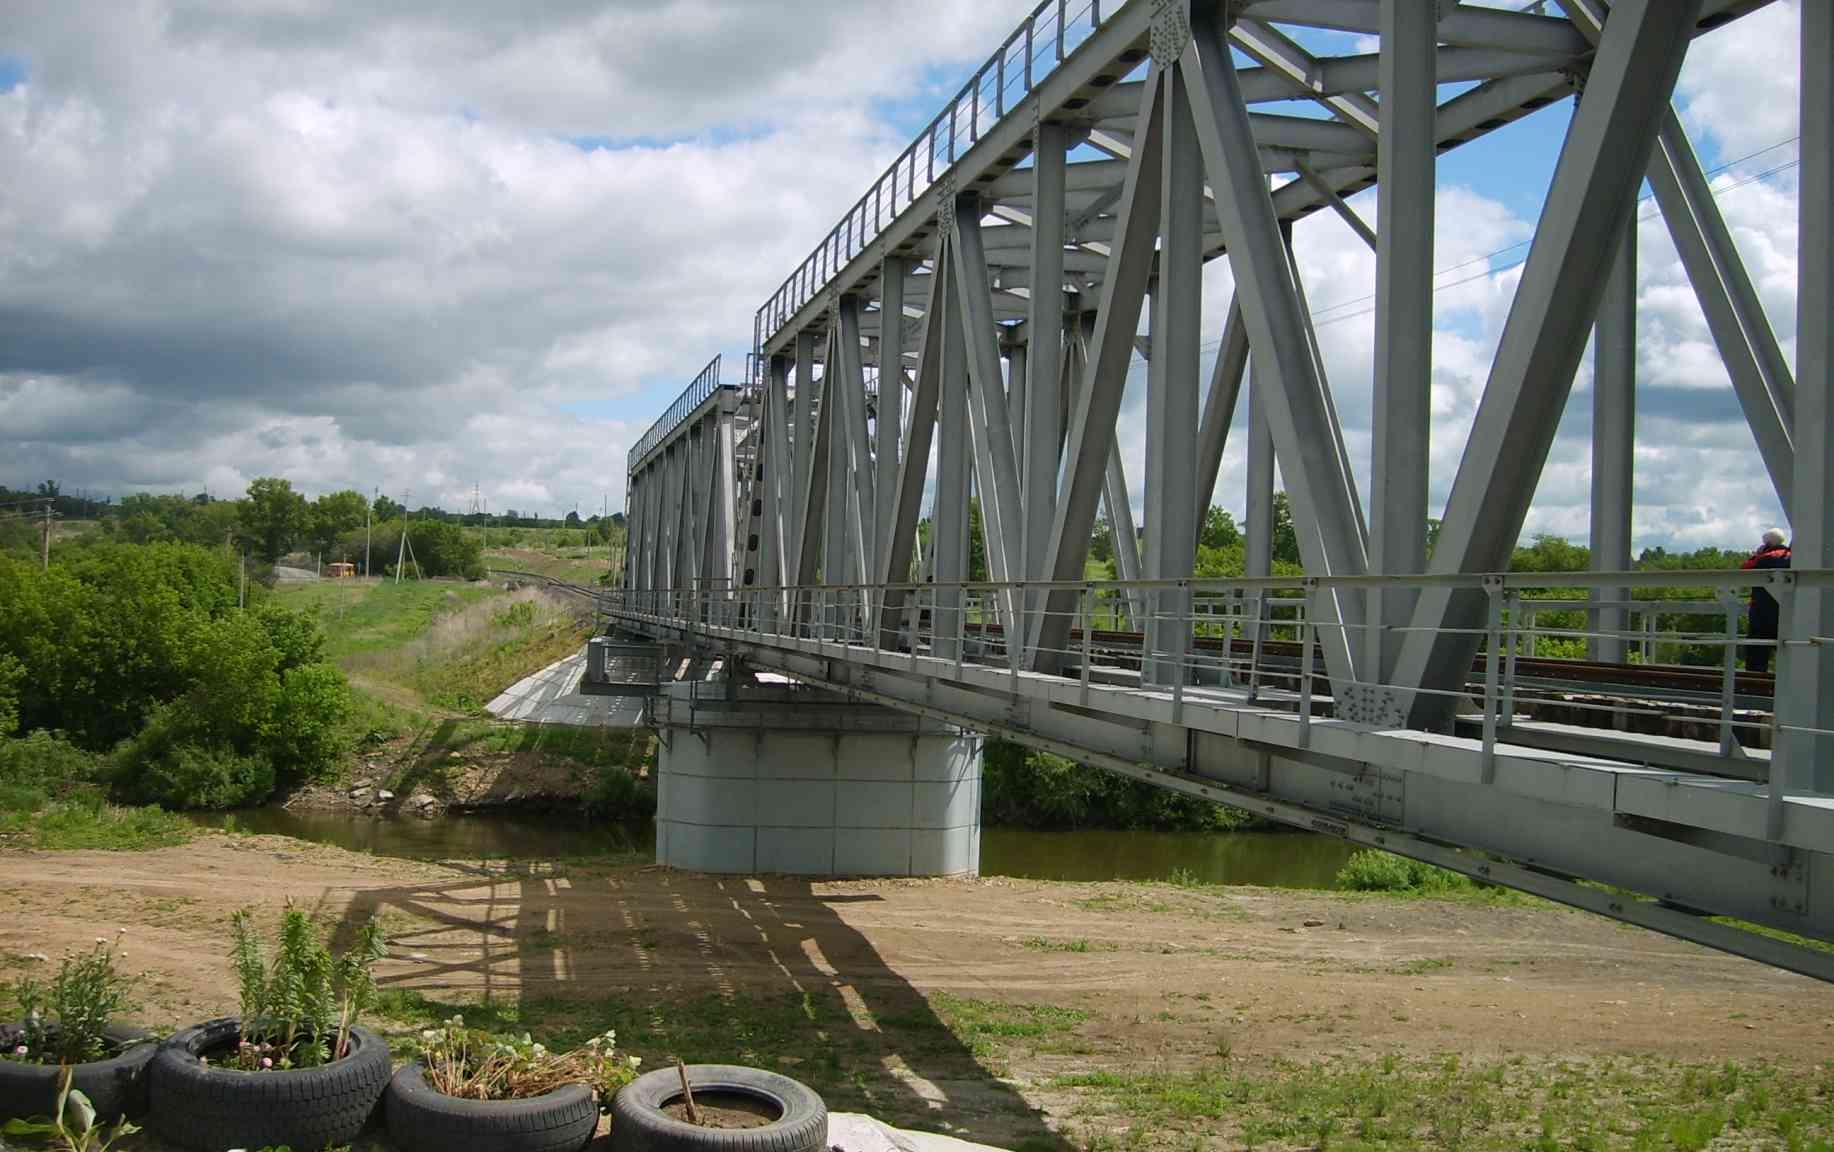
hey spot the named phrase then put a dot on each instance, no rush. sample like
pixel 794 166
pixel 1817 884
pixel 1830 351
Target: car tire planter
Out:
pixel 421 1118
pixel 639 1124
pixel 116 1086
pixel 209 1108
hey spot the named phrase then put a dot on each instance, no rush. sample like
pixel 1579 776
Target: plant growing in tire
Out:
pixel 75 1023
pixel 295 1068
pixel 734 1109
pixel 482 1093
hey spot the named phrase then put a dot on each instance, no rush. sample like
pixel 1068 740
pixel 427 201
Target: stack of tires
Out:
pixel 190 1100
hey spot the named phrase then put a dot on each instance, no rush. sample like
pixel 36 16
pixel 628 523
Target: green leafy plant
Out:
pixel 299 1008
pixel 67 1023
pixel 473 1064
pixel 74 1128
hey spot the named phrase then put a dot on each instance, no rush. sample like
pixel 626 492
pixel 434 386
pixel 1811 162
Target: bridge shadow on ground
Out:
pixel 764 972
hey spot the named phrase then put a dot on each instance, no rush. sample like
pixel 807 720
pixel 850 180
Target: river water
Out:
pixel 1278 859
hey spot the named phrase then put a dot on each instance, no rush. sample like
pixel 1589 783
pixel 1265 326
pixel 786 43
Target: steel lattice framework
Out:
pixel 966 330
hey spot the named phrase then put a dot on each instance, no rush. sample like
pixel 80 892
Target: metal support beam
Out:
pixel 1760 376
pixel 1614 415
pixel 1219 407
pixel 777 472
pixel 1016 387
pixel 1044 361
pixel 1259 560
pixel 802 432
pixel 1172 500
pixel 999 474
pixel 1298 406
pixel 954 456
pixel 812 467
pixel 914 458
pixel 889 423
pixel 1605 156
pixel 1805 759
pixel 1402 408
pixel 1091 437
pixel 857 459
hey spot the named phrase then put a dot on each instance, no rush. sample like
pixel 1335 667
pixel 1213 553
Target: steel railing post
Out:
pixel 1493 656
pixel 1307 638
pixel 1728 673
pixel 1086 600
pixel 1184 650
pixel 1508 714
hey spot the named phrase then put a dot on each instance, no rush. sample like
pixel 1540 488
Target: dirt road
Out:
pixel 966 1003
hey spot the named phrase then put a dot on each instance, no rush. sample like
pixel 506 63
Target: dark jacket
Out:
pixel 1763 604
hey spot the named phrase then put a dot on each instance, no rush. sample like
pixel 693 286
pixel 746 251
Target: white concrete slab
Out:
pixel 552 696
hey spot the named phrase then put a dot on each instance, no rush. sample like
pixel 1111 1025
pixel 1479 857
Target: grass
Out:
pixel 1041 944
pixel 1404 1103
pixel 87 822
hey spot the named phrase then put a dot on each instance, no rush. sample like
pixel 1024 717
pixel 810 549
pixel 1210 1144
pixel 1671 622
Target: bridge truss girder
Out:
pixel 980 309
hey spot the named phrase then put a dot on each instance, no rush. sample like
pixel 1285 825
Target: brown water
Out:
pixel 1276 859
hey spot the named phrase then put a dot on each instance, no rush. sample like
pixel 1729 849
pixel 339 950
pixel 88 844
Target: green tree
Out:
pixel 273 516
pixel 386 509
pixel 333 515
pixel 1286 539
pixel 1101 540
pixel 1219 530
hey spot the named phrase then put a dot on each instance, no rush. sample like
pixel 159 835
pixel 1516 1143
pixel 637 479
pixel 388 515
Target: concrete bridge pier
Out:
pixel 761 777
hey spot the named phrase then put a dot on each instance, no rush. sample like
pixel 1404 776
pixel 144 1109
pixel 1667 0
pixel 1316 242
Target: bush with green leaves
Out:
pixel 141 652
pixel 1373 870
pixel 301 1005
pixel 1022 788
pixel 67 1022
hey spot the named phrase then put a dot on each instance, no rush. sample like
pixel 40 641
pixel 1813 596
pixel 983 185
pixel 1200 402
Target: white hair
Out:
pixel 1774 537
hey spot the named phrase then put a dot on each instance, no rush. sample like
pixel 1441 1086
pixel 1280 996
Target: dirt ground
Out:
pixel 1133 974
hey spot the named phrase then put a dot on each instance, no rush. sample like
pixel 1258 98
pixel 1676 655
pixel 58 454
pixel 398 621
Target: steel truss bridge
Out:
pixel 966 330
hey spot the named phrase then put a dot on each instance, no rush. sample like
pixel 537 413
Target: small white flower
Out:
pixel 636 1061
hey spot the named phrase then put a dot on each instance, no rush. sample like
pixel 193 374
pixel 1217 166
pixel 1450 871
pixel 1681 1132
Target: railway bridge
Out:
pixel 951 358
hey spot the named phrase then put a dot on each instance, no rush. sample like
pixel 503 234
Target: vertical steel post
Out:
pixel 1806 690
pixel 949 523
pixel 1614 413
pixel 1172 403
pixel 1402 409
pixel 1728 671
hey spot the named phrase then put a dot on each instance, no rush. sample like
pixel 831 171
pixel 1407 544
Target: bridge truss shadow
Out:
pixel 709 969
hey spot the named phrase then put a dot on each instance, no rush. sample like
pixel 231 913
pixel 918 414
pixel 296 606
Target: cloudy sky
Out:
pixel 419 246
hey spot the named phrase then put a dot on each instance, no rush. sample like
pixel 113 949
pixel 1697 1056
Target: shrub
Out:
pixel 296 637
pixel 67 1024
pixel 11 673
pixel 618 795
pixel 306 731
pixel 181 774
pixel 1037 790
pixel 302 1006
pixel 43 764
pixel 1373 870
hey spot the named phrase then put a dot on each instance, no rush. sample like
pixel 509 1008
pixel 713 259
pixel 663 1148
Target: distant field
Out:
pixel 575 565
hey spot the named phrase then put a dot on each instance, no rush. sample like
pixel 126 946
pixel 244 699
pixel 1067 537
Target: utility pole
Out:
pixel 367 513
pixel 45 550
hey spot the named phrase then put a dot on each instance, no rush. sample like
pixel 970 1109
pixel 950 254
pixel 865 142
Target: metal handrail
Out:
pixel 1033 51
pixel 691 398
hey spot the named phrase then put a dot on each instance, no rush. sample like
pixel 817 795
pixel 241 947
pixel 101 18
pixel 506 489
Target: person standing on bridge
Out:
pixel 1772 553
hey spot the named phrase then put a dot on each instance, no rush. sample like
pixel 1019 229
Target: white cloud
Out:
pixel 359 244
